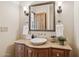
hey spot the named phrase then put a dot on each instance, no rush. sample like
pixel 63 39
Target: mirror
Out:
pixel 42 17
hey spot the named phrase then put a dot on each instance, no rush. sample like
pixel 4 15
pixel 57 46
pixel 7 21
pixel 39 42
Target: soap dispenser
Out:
pixel 32 36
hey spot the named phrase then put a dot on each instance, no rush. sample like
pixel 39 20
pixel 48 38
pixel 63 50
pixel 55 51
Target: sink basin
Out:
pixel 38 41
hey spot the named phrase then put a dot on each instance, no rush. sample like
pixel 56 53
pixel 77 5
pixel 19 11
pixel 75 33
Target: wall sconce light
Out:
pixel 59 10
pixel 26 13
pixel 26 10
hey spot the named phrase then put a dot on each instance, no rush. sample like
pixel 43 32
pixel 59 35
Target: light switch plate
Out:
pixel 3 29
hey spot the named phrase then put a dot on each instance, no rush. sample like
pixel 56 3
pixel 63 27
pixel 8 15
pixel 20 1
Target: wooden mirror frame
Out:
pixel 39 4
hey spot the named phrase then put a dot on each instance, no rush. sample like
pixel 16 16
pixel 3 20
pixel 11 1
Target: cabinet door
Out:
pixel 34 53
pixel 19 50
pixel 57 53
pixel 67 53
pixel 26 51
pixel 30 52
pixel 42 52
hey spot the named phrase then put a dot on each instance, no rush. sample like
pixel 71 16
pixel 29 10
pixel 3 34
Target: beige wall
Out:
pixel 9 17
pixel 22 16
pixel 68 21
pixel 76 26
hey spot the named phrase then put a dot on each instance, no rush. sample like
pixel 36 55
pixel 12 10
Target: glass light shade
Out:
pixel 60 3
pixel 26 9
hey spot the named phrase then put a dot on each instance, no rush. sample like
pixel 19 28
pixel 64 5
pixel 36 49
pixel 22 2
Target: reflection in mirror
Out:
pixel 42 17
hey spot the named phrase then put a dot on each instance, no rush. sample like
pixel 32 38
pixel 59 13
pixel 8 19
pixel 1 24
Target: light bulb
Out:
pixel 24 8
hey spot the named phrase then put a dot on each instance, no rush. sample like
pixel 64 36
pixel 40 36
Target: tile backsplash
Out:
pixel 42 34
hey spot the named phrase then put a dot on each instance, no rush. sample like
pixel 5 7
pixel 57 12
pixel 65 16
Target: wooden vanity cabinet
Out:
pixel 22 50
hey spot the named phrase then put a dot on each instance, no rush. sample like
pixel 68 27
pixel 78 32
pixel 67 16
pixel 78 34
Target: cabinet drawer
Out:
pixel 57 53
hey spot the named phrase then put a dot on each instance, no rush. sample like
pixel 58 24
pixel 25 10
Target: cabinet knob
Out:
pixel 57 54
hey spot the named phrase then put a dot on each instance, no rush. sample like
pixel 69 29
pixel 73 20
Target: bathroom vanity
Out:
pixel 24 48
pixel 42 18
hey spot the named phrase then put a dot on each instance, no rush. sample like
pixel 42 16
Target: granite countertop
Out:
pixel 48 44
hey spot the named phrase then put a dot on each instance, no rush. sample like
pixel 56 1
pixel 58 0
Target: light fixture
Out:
pixel 59 10
pixel 26 10
pixel 26 7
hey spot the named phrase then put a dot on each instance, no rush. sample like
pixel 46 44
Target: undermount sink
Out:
pixel 38 41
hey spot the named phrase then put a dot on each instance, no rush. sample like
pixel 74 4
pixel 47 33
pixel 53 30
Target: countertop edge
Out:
pixel 40 46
